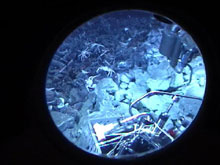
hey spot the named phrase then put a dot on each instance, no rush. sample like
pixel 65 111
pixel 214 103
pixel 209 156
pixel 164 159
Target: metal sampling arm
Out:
pixel 149 94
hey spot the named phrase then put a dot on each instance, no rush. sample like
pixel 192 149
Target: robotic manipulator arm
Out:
pixel 177 46
pixel 136 132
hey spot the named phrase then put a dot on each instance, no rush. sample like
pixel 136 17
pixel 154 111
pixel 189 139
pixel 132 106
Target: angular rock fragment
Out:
pixel 124 78
pixel 123 85
pixel 63 121
pixel 159 84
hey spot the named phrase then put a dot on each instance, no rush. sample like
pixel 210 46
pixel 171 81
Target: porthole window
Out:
pixel 125 84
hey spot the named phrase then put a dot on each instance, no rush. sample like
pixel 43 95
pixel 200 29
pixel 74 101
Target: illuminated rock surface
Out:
pixel 109 62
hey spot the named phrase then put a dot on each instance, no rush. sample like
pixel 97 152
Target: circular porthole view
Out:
pixel 125 84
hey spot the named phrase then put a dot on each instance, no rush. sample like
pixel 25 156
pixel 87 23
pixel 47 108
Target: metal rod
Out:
pixel 169 136
pixel 149 94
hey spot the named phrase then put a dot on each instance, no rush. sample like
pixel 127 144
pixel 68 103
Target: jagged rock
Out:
pixel 189 106
pixel 154 37
pixel 120 95
pixel 174 112
pixel 131 85
pixel 140 77
pixel 78 106
pixel 83 93
pixel 74 96
pixel 92 96
pixel 157 103
pixel 87 106
pixel 104 98
pixel 106 85
pixel 50 96
pixel 124 78
pixel 142 81
pixel 124 95
pixel 68 124
pixel 115 103
pixel 136 91
pixel 197 86
pixel 202 81
pixel 103 90
pixel 139 87
pixel 74 113
pixel 124 65
pixel 128 95
pixel 123 109
pixel 63 121
pixel 197 63
pixel 199 77
pixel 123 85
pixel 105 105
pixel 159 84
pixel 83 133
pixel 160 71
pixel 195 91
pixel 68 134
pixel 127 101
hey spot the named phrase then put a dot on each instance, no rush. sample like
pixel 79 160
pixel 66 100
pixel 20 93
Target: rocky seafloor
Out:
pixel 100 78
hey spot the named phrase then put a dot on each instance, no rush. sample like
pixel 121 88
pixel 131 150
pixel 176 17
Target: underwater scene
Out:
pixel 125 84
